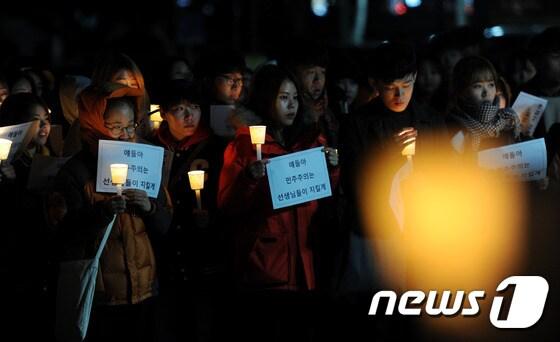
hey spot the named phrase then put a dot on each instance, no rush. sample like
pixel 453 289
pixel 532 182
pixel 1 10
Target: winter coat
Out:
pixel 191 251
pixel 127 271
pixel 273 248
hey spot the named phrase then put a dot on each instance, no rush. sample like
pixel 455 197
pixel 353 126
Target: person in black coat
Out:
pixel 193 254
pixel 371 142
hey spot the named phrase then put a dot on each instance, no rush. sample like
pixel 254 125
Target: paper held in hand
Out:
pixel 530 109
pixel 298 178
pixel 525 161
pixel 144 166
pixel 20 135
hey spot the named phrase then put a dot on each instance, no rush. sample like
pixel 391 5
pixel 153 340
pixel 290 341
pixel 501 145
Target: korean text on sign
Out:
pixel 144 166
pixel 298 178
pixel 525 161
pixel 17 134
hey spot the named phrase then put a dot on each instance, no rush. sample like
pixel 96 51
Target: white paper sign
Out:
pixel 395 196
pixel 43 170
pixel 17 134
pixel 219 118
pixel 298 178
pixel 525 161
pixel 529 108
pixel 144 166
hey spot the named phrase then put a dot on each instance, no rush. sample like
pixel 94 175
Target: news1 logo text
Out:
pixel 526 308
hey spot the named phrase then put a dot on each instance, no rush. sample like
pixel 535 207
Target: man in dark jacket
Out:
pixel 371 143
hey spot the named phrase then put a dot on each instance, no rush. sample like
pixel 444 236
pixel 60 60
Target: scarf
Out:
pixel 486 121
pixel 165 137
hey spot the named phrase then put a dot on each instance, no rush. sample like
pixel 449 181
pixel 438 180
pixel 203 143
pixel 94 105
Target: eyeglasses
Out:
pixel 232 81
pixel 116 130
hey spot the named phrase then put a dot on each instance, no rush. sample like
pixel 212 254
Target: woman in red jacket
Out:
pixel 273 248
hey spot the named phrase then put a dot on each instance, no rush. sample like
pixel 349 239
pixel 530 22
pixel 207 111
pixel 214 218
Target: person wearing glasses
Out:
pixel 222 77
pixel 127 283
pixel 109 67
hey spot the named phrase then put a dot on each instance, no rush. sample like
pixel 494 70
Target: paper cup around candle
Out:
pixel 155 118
pixel 196 179
pixel 5 146
pixel 119 173
pixel 258 134
pixel 153 109
pixel 409 150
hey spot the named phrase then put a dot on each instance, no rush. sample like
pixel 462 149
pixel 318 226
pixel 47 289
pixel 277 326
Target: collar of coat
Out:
pixel 165 137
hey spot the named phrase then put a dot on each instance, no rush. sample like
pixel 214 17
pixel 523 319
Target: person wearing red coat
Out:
pixel 273 249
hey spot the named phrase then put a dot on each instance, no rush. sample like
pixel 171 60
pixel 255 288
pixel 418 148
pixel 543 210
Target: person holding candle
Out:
pixel 111 67
pixel 24 107
pixel 127 283
pixel 192 255
pixel 25 206
pixel 374 142
pixel 274 249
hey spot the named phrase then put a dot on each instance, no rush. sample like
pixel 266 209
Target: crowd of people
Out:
pixel 237 267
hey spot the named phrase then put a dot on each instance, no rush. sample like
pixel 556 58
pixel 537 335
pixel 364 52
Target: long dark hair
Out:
pixel 16 109
pixel 262 99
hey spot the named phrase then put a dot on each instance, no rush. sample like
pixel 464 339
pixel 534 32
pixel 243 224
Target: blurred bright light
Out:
pixel 320 7
pixel 413 3
pixel 183 3
pixel 399 8
pixel 464 228
pixel 495 31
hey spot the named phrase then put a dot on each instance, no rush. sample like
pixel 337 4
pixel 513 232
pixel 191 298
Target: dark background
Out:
pixel 66 34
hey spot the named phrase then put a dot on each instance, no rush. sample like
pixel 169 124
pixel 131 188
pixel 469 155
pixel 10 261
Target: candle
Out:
pixel 154 108
pixel 409 150
pixel 258 134
pixel 118 176
pixel 155 117
pixel 196 180
pixel 5 146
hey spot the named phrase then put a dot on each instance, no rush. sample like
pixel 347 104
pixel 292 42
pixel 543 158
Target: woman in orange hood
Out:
pixel 127 281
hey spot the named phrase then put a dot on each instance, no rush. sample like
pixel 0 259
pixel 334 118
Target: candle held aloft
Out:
pixel 409 150
pixel 155 117
pixel 196 181
pixel 258 135
pixel 119 172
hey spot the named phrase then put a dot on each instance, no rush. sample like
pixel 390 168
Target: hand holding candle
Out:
pixel 196 180
pixel 258 134
pixel 407 138
pixel 119 173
